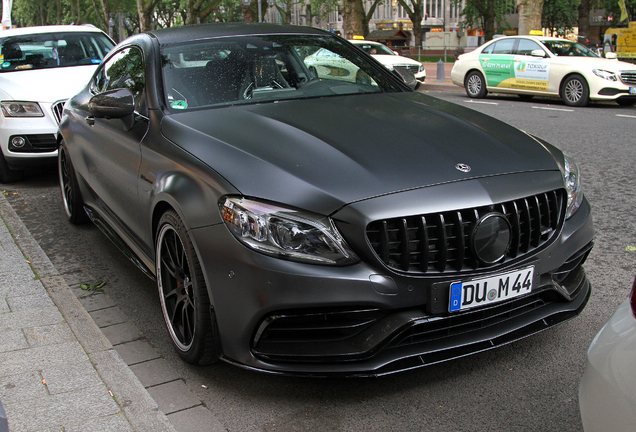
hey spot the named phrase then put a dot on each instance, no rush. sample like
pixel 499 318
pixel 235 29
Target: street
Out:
pixel 530 385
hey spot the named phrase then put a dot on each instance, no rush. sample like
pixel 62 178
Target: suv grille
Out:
pixel 440 242
pixel 628 77
pixel 58 109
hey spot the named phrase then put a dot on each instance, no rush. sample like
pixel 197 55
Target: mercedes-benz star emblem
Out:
pixel 462 167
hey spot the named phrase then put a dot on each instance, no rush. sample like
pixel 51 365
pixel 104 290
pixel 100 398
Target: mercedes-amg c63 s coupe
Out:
pixel 317 224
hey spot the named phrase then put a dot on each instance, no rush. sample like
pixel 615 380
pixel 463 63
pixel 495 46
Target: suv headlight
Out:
pixel 285 233
pixel 610 76
pixel 572 185
pixel 21 109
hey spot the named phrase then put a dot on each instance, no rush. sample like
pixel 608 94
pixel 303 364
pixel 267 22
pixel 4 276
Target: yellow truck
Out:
pixel 622 41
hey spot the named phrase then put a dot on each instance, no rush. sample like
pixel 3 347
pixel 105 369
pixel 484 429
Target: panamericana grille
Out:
pixel 440 242
pixel 628 77
pixel 58 109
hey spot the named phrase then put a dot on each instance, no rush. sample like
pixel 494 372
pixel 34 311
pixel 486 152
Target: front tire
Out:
pixel 575 91
pixel 183 295
pixel 475 85
pixel 71 195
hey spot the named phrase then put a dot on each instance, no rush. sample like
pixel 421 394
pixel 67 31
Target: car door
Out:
pixel 115 156
pixel 497 60
pixel 530 73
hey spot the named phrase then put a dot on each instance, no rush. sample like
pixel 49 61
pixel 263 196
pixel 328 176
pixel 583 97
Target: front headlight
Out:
pixel 610 76
pixel 21 109
pixel 572 185
pixel 285 233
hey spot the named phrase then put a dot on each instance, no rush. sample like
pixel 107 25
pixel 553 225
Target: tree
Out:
pixel 416 15
pixel 560 14
pixel 485 14
pixel 529 15
pixel 584 17
pixel 611 8
pixel 198 11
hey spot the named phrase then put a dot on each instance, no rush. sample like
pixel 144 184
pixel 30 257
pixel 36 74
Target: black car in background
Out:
pixel 323 220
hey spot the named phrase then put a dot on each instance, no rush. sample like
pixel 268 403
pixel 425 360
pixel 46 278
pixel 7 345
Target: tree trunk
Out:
pixel 352 19
pixel 530 13
pixel 584 18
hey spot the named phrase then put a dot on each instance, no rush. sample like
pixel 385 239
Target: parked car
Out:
pixel 306 225
pixel 545 66
pixel 393 61
pixel 607 393
pixel 40 68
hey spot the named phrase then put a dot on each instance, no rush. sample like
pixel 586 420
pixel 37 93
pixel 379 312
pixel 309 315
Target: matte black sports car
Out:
pixel 332 223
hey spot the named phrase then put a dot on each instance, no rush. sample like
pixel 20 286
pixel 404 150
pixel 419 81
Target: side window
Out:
pixel 527 46
pixel 125 69
pixel 504 46
pixel 488 49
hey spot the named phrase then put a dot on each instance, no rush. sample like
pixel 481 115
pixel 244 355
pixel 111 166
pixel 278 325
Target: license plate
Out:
pixel 480 292
pixel 632 90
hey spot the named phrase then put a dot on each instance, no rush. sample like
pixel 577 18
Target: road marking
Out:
pixel 553 109
pixel 480 102
pixel 623 115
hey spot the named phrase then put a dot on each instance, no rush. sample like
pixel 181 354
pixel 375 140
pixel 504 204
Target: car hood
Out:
pixel 44 85
pixel 394 60
pixel 595 63
pixel 321 154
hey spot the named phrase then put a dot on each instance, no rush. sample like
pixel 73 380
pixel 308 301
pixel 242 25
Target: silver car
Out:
pixel 607 394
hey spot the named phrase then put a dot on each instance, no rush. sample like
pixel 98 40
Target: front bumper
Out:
pixel 38 134
pixel 285 317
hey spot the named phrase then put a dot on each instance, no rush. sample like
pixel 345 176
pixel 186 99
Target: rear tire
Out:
pixel 575 91
pixel 71 195
pixel 183 295
pixel 475 85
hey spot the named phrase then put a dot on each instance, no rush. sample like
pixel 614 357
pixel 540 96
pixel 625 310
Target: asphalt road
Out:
pixel 531 385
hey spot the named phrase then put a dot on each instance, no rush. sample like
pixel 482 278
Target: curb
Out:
pixel 132 399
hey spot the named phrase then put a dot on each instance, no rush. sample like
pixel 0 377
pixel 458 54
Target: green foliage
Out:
pixel 611 8
pixel 485 14
pixel 560 16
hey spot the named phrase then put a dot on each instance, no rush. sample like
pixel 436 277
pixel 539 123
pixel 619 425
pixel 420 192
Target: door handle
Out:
pixel 90 120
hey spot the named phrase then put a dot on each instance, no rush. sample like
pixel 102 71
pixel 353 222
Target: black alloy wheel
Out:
pixel 71 195
pixel 184 299
pixel 475 85
pixel 575 91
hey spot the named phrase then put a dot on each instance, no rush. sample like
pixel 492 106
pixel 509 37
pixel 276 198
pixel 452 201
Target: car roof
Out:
pixel 49 29
pixel 204 31
pixel 535 38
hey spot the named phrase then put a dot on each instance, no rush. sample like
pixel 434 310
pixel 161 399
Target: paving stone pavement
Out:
pixel 70 360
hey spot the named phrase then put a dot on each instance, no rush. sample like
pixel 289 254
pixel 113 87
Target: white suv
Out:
pixel 393 61
pixel 40 68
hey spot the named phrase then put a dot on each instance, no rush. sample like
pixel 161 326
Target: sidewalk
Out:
pixel 57 369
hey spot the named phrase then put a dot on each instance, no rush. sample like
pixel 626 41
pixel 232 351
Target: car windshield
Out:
pixel 374 48
pixel 568 48
pixel 52 50
pixel 266 68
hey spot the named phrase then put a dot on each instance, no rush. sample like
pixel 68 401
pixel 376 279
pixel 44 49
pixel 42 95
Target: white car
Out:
pixel 546 66
pixel 607 393
pixel 392 60
pixel 40 68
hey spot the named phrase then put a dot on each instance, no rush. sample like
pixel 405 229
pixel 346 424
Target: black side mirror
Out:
pixel 118 103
